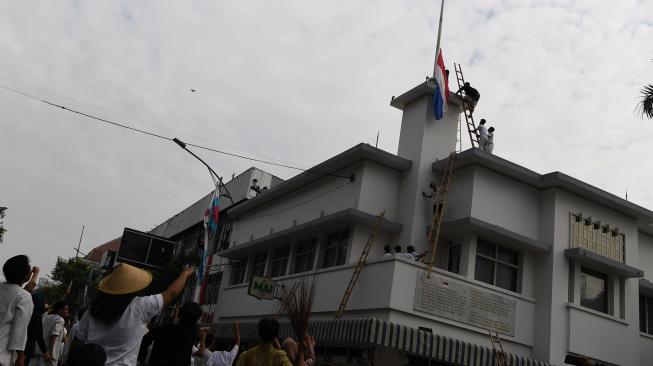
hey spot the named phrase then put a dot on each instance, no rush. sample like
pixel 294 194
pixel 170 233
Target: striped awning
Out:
pixel 377 332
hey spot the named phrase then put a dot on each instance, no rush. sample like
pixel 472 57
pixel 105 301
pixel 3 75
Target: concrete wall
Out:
pixel 587 331
pixel 324 197
pixel 379 190
pixel 645 255
pixel 505 202
pixel 645 349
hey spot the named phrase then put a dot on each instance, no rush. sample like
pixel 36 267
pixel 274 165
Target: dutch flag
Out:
pixel 441 91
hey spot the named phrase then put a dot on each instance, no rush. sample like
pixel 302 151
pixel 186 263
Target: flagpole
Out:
pixel 437 47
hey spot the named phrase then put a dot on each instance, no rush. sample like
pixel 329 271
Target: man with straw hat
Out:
pixel 118 318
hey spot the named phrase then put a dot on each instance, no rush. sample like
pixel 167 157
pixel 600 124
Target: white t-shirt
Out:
pixel 201 360
pixel 53 325
pixel 223 358
pixel 15 313
pixel 490 138
pixel 122 339
pixel 482 130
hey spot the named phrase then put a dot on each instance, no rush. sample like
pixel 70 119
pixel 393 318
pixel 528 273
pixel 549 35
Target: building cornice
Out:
pixel 326 222
pixel 358 153
pixel 477 157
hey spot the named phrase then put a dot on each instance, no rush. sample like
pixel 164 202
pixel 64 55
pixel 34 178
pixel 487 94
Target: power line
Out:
pixel 168 138
pixel 139 120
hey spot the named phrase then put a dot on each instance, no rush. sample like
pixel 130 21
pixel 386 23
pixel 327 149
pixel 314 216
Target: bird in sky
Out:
pixel 193 90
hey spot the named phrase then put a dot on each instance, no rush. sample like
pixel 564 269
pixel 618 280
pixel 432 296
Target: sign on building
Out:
pixel 262 288
pixel 464 303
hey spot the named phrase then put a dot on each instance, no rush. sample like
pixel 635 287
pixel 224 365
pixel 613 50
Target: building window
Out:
pixel 453 262
pixel 646 314
pixel 593 290
pixel 213 288
pixel 305 256
pixel 258 264
pixel 335 249
pixel 280 261
pixel 597 238
pixel 224 235
pixel 239 268
pixel 496 265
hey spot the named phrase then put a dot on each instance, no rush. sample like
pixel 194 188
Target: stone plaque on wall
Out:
pixel 464 303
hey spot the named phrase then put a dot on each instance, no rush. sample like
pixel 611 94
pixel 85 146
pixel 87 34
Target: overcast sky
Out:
pixel 298 82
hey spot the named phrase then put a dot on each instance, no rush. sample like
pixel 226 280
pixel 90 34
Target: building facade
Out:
pixel 554 265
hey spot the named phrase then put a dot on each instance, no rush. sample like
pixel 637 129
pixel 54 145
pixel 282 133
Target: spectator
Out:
pixel 35 329
pixel 117 319
pixel 265 354
pixel 397 249
pixel 87 355
pixel 225 358
pixel 71 336
pixel 53 333
pixel 410 250
pixel 387 251
pixel 15 311
pixel 173 343
pixel 292 350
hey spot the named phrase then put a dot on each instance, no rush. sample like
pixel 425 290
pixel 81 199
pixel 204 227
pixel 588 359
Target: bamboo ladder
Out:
pixel 359 267
pixel 469 119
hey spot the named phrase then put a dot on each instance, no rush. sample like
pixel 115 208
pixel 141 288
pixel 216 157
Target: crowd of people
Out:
pixel 118 328
pixel 409 253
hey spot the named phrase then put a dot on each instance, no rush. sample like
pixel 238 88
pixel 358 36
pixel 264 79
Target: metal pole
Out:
pixel 437 47
pixel 80 242
pixel 183 146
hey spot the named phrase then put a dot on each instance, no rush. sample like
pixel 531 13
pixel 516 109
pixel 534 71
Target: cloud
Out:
pixel 297 81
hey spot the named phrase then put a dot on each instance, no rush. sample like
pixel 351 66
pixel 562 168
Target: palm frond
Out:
pixel 645 105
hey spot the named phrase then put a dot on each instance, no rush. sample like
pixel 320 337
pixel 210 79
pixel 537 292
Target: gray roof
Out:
pixel 333 165
pixel 238 187
pixel 502 166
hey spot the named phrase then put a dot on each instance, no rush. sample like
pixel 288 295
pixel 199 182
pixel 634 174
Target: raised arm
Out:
pixel 177 286
pixel 237 333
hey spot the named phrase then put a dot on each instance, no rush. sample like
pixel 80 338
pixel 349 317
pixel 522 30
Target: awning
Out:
pixel 377 332
pixel 602 263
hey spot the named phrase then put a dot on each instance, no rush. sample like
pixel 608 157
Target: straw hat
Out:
pixel 125 279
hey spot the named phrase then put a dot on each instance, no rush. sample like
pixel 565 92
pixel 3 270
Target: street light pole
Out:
pixel 214 175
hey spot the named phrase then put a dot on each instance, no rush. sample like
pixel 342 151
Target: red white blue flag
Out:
pixel 441 92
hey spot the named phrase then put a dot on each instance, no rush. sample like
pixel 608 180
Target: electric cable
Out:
pixel 141 120
pixel 134 129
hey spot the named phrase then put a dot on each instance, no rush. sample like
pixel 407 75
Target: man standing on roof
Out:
pixel 489 146
pixel 471 96
pixel 481 132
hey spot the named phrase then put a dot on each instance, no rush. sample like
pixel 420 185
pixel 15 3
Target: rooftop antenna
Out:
pixel 626 194
pixel 437 46
pixel 377 138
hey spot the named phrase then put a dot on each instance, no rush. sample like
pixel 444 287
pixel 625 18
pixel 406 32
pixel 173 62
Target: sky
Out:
pixel 297 82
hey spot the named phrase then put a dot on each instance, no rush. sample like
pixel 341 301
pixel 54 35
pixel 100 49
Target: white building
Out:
pixel 553 264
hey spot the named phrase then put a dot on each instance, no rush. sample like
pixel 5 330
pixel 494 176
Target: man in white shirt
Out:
pixel 223 358
pixel 489 146
pixel 15 311
pixel 120 333
pixel 481 131
pixel 53 333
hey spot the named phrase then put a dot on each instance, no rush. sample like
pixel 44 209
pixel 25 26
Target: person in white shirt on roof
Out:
pixel 15 310
pixel 222 358
pixel 481 131
pixel 117 319
pixel 489 146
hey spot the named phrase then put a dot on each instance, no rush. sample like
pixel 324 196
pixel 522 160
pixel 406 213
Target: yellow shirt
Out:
pixel 264 355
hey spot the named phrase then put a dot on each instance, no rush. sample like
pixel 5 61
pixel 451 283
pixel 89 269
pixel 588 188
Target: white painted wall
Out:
pixel 505 202
pixel 645 255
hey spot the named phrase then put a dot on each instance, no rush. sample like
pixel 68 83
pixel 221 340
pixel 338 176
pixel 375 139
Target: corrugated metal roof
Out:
pixel 238 187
